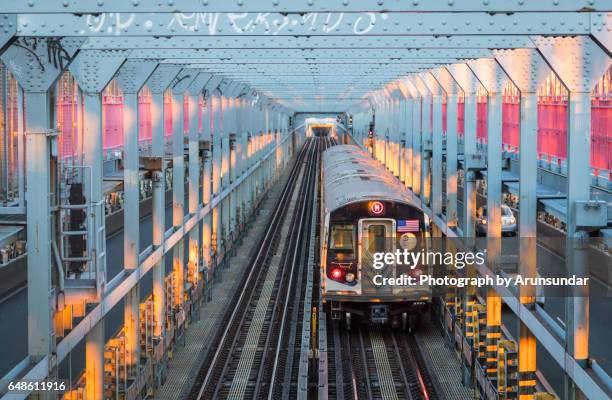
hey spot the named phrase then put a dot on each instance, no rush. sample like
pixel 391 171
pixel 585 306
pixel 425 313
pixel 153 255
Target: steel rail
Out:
pixel 285 281
pixel 247 290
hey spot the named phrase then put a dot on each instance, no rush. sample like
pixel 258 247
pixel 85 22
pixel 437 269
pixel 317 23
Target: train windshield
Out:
pixel 342 237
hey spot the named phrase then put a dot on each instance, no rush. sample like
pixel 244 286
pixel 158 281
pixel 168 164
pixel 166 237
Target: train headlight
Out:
pixel 350 277
pixel 416 272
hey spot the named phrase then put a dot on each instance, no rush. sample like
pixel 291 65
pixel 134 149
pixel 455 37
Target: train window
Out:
pixel 342 237
pixel 376 235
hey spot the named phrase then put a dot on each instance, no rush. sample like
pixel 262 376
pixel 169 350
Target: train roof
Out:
pixel 350 175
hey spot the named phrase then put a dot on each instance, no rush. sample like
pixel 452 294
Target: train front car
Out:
pixel 370 231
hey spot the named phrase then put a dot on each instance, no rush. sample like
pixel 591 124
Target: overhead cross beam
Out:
pixel 272 24
pixel 297 6
pixel 312 55
pixel 337 42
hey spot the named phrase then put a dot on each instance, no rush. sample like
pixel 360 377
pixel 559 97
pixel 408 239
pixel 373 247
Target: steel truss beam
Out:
pixel 243 43
pixel 297 6
pixel 272 24
pixel 310 54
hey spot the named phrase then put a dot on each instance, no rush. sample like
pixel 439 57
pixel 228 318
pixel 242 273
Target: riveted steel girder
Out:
pixel 93 69
pixel 198 84
pixel 419 85
pixel 133 74
pixel 310 42
pixel 182 81
pixel 490 74
pixel 408 87
pixel 446 80
pixel 578 61
pixel 8 28
pixel 162 77
pixel 464 77
pixel 525 67
pixel 601 28
pixel 37 62
pixel 317 7
pixel 213 84
pixel 228 24
pixel 432 84
pixel 309 54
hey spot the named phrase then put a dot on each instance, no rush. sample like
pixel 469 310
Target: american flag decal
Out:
pixel 407 225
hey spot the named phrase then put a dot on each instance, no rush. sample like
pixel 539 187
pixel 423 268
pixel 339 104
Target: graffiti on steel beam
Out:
pixel 241 23
pixel 56 53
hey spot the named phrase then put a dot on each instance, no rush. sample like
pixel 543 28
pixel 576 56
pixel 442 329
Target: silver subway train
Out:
pixel 367 214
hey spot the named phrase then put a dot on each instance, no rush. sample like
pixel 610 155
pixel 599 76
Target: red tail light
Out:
pixel 337 273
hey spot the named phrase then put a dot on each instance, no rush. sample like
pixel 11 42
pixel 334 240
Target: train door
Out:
pixel 376 235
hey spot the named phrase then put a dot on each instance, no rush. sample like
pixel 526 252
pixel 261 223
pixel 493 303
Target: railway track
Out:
pixel 376 362
pixel 252 354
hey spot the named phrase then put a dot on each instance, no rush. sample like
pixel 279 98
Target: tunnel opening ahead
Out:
pixel 320 130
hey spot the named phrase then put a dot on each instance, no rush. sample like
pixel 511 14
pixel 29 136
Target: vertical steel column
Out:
pixel 131 77
pixel 469 184
pixel 92 150
pixel 451 159
pixel 436 165
pixel 580 63
pixel 493 78
pixel 528 159
pixel 416 145
pixel 578 189
pixel 388 145
pixel 226 123
pixel 402 140
pixel 131 236
pixel 194 187
pixel 94 362
pixel 233 164
pixel 527 79
pixel 206 188
pixel 158 83
pixel 196 242
pixel 494 181
pixel 92 78
pixel 38 202
pixel 159 207
pixel 35 78
pixel 410 116
pixel 206 222
pixel 397 133
pixel 240 156
pixel 158 211
pixel 93 156
pixel 216 167
pixel 467 81
pixel 425 138
pixel 178 193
